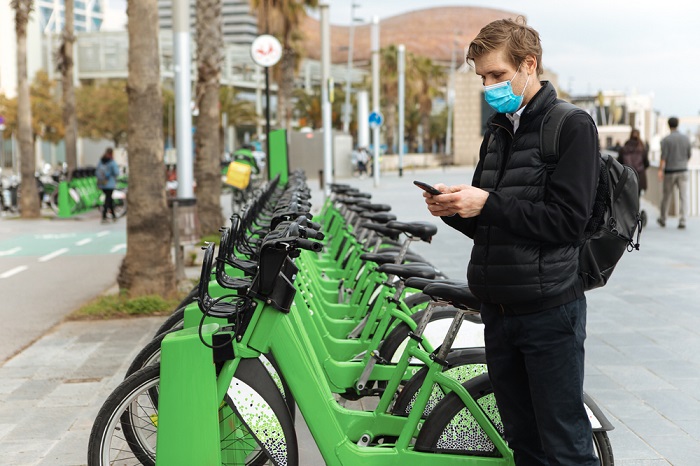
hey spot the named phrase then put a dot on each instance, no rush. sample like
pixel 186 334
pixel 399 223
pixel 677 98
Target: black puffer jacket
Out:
pixel 525 256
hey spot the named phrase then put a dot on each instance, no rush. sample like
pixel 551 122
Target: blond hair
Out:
pixel 517 39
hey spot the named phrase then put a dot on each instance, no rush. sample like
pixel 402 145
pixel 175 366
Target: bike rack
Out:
pixel 188 420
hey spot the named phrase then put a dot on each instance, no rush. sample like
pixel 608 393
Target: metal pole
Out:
pixel 402 98
pixel 326 98
pixel 362 119
pixel 351 40
pixel 375 94
pixel 258 100
pixel 267 116
pixel 450 101
pixel 183 98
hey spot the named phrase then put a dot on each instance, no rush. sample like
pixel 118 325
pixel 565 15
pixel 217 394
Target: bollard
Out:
pixel 320 179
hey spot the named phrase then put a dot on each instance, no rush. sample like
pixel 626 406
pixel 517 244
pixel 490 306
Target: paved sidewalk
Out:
pixel 643 342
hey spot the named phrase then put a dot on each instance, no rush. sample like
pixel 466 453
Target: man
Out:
pixel 673 170
pixel 526 225
pixel 106 173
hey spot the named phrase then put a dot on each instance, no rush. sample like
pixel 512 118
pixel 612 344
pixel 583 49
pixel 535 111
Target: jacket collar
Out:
pixel 545 98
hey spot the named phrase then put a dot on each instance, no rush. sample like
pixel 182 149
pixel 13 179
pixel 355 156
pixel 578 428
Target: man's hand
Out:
pixel 463 200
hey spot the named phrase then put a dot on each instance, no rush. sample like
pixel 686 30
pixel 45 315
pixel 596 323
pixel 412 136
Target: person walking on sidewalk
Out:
pixel 673 171
pixel 107 172
pixel 635 154
pixel 526 225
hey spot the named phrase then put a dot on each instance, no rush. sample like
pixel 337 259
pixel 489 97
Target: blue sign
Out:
pixel 376 119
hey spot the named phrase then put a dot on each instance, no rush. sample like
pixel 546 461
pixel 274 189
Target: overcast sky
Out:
pixel 629 45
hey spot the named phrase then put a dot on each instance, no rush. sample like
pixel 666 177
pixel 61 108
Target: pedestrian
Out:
pixel 526 225
pixel 106 173
pixel 673 171
pixel 635 154
pixel 362 160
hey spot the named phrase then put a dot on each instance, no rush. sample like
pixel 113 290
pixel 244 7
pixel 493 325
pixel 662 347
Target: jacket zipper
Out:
pixel 499 175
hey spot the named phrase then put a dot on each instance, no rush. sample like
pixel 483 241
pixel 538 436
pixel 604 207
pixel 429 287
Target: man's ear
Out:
pixel 530 63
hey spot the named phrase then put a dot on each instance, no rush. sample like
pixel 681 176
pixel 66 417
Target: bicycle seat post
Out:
pixel 451 334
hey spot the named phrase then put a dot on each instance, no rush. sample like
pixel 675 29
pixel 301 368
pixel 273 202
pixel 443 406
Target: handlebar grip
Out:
pixel 312 233
pixel 308 244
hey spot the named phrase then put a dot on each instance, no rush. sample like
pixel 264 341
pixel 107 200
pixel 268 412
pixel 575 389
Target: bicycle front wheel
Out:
pixel 124 432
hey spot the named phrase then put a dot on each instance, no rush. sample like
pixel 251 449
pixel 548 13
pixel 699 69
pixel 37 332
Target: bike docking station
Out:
pixel 188 420
pixel 79 195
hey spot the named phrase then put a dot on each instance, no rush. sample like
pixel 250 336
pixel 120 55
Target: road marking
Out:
pixel 102 233
pixel 55 235
pixel 118 247
pixel 14 271
pixel 48 257
pixel 9 252
pixel 83 241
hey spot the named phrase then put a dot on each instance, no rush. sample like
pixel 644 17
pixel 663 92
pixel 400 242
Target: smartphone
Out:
pixel 427 187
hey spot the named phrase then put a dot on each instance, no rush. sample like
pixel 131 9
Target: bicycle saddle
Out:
pixel 374 207
pixel 421 283
pixel 379 217
pixel 423 230
pixel 378 258
pixel 458 295
pixel 382 230
pixel 408 270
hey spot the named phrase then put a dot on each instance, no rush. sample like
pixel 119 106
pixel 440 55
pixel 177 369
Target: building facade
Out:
pixel 239 27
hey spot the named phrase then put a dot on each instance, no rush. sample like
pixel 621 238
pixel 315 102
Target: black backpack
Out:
pixel 615 217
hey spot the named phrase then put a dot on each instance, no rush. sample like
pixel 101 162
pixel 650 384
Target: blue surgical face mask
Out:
pixel 501 98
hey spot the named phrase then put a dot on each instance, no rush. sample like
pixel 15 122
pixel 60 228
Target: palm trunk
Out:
pixel 207 138
pixel 29 196
pixel 69 116
pixel 286 86
pixel 147 267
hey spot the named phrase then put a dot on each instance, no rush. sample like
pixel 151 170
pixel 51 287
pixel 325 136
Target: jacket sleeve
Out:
pixel 467 226
pixel 562 217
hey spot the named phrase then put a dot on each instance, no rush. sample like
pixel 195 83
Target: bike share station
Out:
pixel 188 400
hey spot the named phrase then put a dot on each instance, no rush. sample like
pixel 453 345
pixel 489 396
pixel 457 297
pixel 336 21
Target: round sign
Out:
pixel 266 50
pixel 376 119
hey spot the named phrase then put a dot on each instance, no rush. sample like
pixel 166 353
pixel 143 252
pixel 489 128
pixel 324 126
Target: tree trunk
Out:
pixel 391 128
pixel 285 88
pixel 147 267
pixel 30 205
pixel 207 140
pixel 69 116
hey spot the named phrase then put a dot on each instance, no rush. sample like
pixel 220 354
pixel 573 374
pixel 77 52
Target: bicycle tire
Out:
pixel 434 436
pixel 150 355
pixel 603 448
pixel 450 428
pixel 462 365
pixel 135 442
pixel 53 201
pixel 173 320
pixel 120 206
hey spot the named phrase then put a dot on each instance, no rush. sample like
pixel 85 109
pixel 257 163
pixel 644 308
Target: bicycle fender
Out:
pixel 598 420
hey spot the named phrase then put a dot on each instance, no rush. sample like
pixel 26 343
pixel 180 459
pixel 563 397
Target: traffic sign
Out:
pixel 266 50
pixel 376 119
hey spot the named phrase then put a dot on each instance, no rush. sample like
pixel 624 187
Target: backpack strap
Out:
pixel 550 129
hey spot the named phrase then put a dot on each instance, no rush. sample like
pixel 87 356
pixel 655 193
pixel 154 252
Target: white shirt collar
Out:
pixel 515 118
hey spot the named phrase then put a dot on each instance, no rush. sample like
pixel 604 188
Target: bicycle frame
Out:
pixel 188 431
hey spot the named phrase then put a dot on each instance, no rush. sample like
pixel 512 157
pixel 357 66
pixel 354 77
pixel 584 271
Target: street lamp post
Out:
pixel 351 40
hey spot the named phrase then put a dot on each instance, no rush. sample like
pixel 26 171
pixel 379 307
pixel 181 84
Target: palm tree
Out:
pixel 65 66
pixel 239 112
pixel 29 202
pixel 207 142
pixel 147 267
pixel 389 88
pixel 281 18
pixel 429 79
